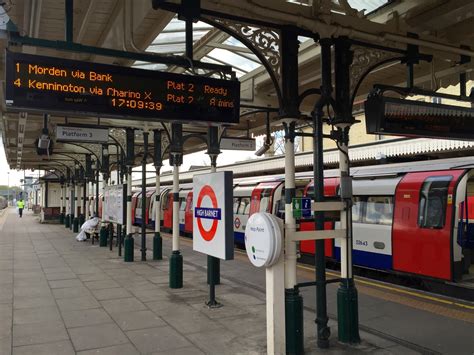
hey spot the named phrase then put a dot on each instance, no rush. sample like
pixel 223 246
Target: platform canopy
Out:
pixel 441 29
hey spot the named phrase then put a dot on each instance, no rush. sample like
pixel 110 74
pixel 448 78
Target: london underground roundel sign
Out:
pixel 212 216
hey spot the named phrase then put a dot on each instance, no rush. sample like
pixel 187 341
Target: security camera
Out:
pixel 264 148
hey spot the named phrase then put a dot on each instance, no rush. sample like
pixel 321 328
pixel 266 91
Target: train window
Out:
pixel 357 206
pixel 433 200
pixel 236 204
pixel 164 202
pixel 244 207
pixel 379 210
pixel 182 204
pixel 265 198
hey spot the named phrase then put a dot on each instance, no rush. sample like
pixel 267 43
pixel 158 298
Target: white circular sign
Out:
pixel 263 239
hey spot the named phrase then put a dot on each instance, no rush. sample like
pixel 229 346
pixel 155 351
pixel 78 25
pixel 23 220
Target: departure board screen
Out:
pixel 49 84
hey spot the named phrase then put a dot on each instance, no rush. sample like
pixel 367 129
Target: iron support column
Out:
pixel 73 205
pixel 290 112
pixel 67 220
pixel 129 241
pixel 61 215
pixel 103 230
pixel 144 197
pixel 347 302
pixel 130 158
pixel 176 159
pixel 157 162
pixel 75 227
pixel 323 331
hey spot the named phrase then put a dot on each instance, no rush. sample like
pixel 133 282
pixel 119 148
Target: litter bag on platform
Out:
pixel 89 226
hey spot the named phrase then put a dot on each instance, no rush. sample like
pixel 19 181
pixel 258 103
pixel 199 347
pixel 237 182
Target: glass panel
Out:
pixel 244 207
pixel 182 204
pixel 379 210
pixel 236 205
pixel 357 207
pixel 433 202
pixel 233 59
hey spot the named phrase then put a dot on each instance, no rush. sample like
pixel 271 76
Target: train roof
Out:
pixel 373 171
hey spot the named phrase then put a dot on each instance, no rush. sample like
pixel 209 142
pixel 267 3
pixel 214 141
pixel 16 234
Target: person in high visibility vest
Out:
pixel 20 204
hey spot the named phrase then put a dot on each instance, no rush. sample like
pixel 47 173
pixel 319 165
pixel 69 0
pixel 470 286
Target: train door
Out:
pixel 168 211
pixel 151 210
pixel 149 194
pixel 188 214
pixel 183 194
pixel 423 228
pixel 463 231
pixel 241 209
pixel 331 186
pixel 137 208
pixel 372 220
pixel 153 205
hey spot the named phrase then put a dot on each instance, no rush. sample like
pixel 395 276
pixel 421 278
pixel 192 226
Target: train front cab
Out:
pixel 429 207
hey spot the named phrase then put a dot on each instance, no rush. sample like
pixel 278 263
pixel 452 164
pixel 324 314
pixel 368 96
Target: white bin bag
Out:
pixel 89 226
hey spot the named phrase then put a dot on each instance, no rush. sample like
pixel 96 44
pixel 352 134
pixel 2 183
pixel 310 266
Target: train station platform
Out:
pixel 60 296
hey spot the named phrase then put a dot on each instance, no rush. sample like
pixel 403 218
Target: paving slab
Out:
pixel 85 317
pixel 39 333
pixel 97 336
pixel 123 305
pixel 138 320
pixel 161 339
pixel 63 347
pixel 125 349
pixel 36 315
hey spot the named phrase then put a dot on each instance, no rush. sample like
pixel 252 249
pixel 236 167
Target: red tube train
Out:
pixel 408 218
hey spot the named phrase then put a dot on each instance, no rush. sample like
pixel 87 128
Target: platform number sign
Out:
pixel 302 207
pixel 213 232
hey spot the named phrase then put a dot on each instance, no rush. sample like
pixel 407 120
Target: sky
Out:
pixel 6 174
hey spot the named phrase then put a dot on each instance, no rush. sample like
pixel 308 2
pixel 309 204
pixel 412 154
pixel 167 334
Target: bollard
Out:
pixel 157 247
pixel 128 248
pixel 176 270
pixel 103 237
pixel 347 313
pixel 294 322
pixel 75 225
pixel 67 221
pixel 61 218
pixel 82 219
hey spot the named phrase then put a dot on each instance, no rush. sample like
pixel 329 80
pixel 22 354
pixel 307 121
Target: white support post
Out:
pixel 86 197
pixel 175 246
pixel 157 204
pixel 129 203
pixel 104 185
pixel 290 223
pixel 76 204
pixel 346 243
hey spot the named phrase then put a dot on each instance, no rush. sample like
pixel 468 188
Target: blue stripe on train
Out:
pixel 181 227
pixel 367 259
pixel 239 238
pixel 138 221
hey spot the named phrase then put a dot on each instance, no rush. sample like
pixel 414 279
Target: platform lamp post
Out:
pixel 176 159
pixel 105 174
pixel 158 163
pixel 213 263
pixel 129 241
pixel 347 299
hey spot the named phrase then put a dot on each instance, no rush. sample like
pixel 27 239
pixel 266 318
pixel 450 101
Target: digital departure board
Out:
pixel 401 117
pixel 49 84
